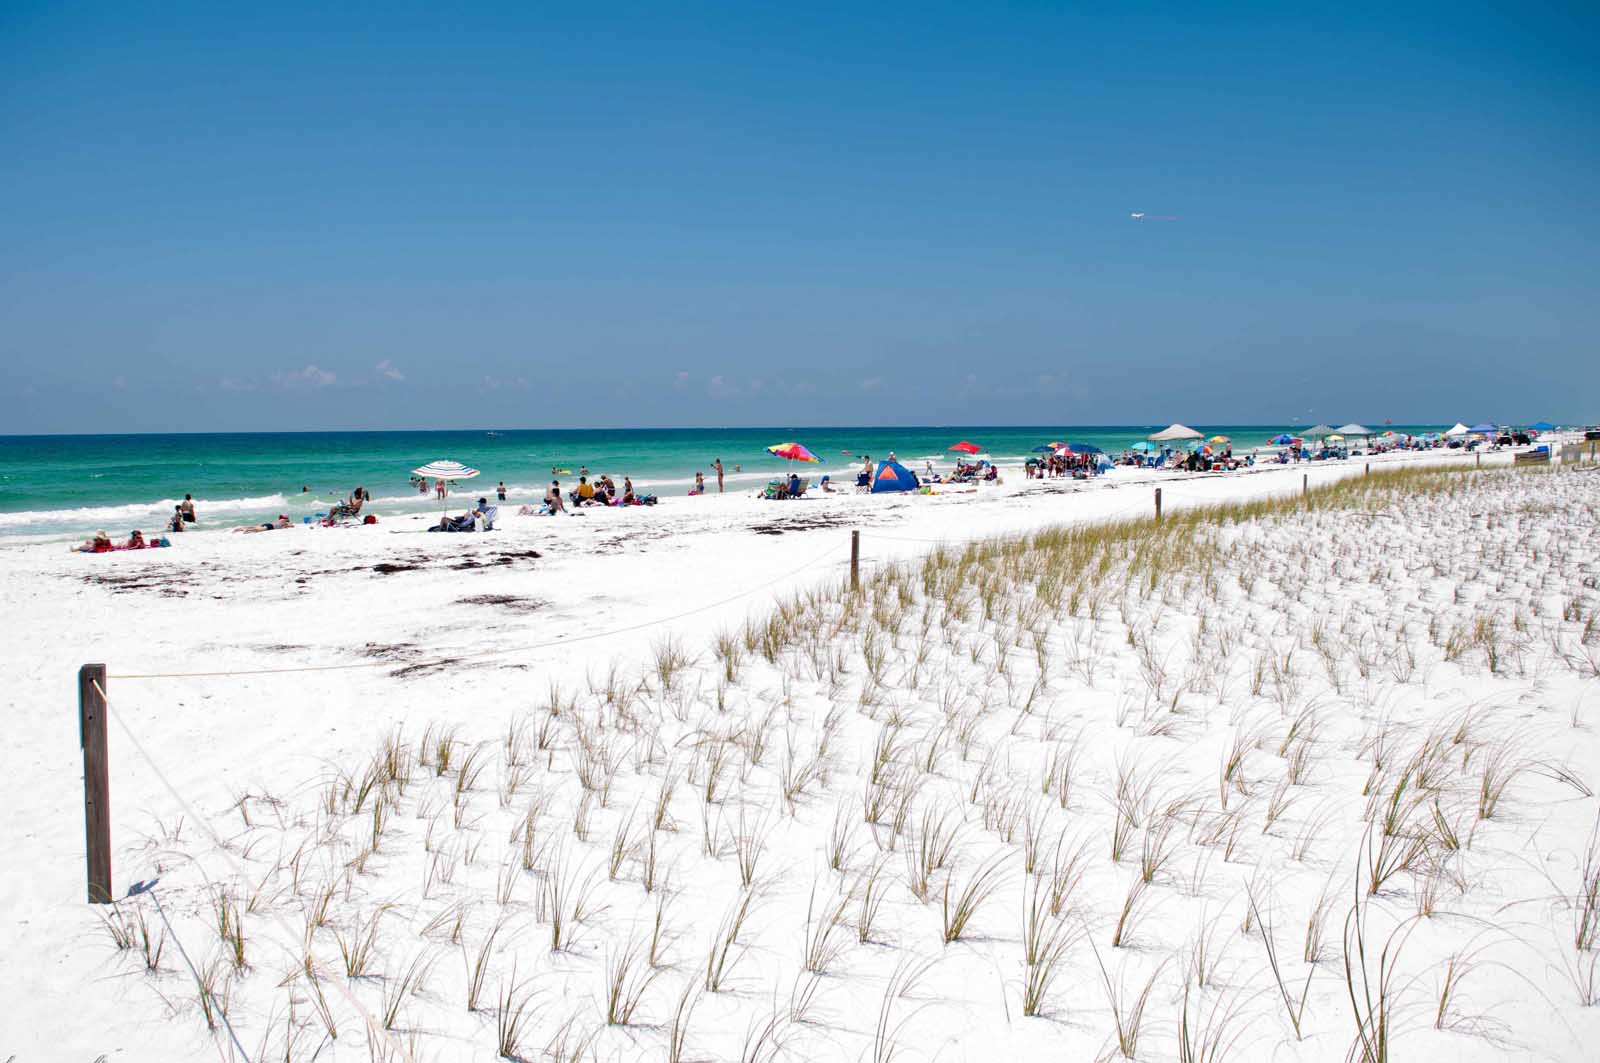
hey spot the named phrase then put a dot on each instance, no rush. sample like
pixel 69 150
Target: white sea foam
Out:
pixel 137 514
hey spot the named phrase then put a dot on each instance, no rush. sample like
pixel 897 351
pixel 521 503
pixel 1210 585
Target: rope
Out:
pixel 151 889
pixel 441 661
pixel 374 1027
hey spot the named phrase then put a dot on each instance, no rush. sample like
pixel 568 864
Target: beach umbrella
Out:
pixel 1543 426
pixel 1282 439
pixel 445 470
pixel 1337 436
pixel 1175 433
pixel 1219 439
pixel 792 452
pixel 1044 450
pixel 967 448
pixel 1142 445
pixel 1084 448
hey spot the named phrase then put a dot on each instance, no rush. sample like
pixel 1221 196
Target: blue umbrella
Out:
pixel 1281 439
pixel 1044 450
pixel 1142 445
pixel 1084 448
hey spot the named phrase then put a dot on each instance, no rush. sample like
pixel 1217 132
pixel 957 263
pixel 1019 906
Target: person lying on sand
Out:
pixel 468 521
pixel 274 525
pixel 99 543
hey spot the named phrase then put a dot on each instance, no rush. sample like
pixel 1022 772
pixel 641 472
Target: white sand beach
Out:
pixel 1198 796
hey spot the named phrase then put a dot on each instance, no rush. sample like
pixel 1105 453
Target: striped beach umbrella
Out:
pixel 445 470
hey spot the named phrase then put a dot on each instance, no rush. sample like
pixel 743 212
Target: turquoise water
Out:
pixel 54 485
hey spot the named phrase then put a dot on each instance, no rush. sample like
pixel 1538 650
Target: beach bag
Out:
pixel 370 518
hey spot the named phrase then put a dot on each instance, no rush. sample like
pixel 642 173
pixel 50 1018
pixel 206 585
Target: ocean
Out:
pixel 54 486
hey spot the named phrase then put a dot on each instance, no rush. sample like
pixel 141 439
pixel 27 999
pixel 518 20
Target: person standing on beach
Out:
pixel 718 466
pixel 439 489
pixel 501 490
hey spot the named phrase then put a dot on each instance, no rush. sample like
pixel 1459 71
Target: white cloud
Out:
pixel 494 383
pixel 386 369
pixel 719 387
pixel 233 383
pixel 309 377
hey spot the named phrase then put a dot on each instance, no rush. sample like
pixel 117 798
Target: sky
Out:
pixel 347 216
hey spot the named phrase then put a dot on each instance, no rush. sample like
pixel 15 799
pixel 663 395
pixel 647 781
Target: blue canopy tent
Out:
pixel 1484 429
pixel 1543 426
pixel 892 476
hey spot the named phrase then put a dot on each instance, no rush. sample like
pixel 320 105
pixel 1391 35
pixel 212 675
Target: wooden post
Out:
pixel 1158 505
pixel 855 559
pixel 96 780
pixel 1369 469
pixel 1305 484
pixel 1479 456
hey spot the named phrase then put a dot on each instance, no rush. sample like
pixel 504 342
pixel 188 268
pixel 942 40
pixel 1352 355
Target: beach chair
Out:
pixel 801 492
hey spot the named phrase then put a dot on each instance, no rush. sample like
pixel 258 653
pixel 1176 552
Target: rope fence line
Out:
pixel 374 1027
pixel 141 888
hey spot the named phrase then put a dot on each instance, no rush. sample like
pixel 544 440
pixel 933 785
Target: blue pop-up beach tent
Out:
pixel 892 476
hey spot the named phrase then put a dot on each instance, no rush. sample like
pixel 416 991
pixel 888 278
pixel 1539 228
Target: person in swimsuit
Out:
pixel 718 466
pixel 187 508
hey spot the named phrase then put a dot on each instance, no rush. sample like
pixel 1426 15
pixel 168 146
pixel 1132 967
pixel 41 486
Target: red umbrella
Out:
pixel 792 451
pixel 967 448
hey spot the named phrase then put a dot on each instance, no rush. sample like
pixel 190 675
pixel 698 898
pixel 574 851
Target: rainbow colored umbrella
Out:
pixel 1219 439
pixel 792 452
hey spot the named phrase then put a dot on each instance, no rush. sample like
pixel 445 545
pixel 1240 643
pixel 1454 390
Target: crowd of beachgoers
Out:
pixel 1176 448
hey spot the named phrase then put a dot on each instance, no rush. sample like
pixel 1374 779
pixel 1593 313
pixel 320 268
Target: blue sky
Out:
pixel 412 216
